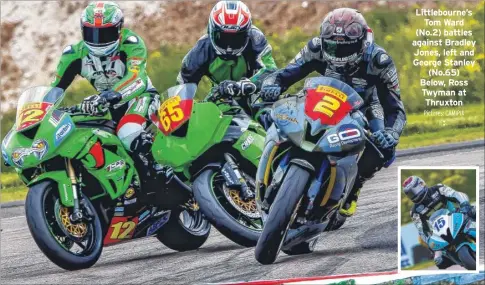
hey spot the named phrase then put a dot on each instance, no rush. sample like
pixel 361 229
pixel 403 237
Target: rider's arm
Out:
pixel 135 80
pixel 452 194
pixel 68 67
pixel 306 61
pixel 265 63
pixel 195 63
pixel 388 90
pixel 418 222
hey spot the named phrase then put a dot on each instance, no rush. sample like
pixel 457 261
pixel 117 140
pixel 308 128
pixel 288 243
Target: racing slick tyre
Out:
pixel 237 220
pixel 69 245
pixel 185 230
pixel 281 214
pixel 467 257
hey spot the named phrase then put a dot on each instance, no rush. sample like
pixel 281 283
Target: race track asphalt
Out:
pixel 366 243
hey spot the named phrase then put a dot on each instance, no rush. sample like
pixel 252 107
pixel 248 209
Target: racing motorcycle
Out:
pixel 308 166
pixel 84 190
pixel 216 149
pixel 454 234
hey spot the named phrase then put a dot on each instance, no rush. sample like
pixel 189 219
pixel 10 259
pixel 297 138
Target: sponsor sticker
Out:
pixel 138 84
pixel 129 202
pixel 115 165
pixel 247 142
pixel 158 224
pixel 332 91
pixel 62 132
pixel 143 216
pixel 129 193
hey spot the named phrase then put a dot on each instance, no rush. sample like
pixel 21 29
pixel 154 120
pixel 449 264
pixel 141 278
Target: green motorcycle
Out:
pixel 214 146
pixel 84 191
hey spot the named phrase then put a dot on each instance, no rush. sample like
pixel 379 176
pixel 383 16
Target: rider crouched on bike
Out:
pixel 113 59
pixel 232 51
pixel 345 50
pixel 428 200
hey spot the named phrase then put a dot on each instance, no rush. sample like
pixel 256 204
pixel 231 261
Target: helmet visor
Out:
pixel 352 31
pixel 100 36
pixel 341 49
pixel 233 41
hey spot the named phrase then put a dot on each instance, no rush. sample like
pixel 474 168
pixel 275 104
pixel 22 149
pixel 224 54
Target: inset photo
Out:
pixel 438 218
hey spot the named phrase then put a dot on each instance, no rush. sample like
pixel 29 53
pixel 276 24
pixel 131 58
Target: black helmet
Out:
pixel 344 34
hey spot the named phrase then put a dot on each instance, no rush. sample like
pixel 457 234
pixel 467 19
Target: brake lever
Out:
pixel 368 137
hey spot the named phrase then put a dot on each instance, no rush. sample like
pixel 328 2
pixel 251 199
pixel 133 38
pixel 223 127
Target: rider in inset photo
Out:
pixel 443 220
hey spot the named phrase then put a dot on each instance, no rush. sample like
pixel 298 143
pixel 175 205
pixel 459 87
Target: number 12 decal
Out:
pixel 120 229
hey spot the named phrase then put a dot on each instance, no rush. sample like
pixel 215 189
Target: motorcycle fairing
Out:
pixel 175 110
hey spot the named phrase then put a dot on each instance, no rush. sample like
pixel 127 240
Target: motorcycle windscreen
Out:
pixel 33 105
pixel 329 100
pixel 175 108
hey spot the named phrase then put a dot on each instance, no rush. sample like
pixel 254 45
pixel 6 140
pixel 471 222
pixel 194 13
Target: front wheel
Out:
pixel 281 214
pixel 185 230
pixel 69 245
pixel 236 219
pixel 467 257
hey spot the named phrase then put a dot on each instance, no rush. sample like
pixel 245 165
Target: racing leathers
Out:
pixel 375 78
pixel 255 63
pixel 123 73
pixel 438 197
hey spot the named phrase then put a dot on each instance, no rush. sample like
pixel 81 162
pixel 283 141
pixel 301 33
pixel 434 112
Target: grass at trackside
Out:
pixel 424 130
pixel 421 266
pixel 420 131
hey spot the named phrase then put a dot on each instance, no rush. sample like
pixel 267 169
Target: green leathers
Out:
pixel 255 63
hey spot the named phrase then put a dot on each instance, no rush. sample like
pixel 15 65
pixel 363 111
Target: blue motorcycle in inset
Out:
pixel 454 234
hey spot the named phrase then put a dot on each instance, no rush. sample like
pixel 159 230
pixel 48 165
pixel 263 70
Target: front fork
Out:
pixel 233 176
pixel 77 214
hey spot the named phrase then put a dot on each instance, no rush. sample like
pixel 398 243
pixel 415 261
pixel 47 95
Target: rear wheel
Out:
pixel 467 257
pixel 236 219
pixel 281 214
pixel 69 245
pixel 185 230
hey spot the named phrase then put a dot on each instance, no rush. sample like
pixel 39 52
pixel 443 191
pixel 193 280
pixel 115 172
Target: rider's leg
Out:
pixel 132 132
pixel 368 165
pixel 441 261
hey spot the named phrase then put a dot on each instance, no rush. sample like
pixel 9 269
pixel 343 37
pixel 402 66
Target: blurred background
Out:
pixel 34 33
pixel 413 254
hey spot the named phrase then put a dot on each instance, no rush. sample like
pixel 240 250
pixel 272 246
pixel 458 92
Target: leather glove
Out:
pixel 386 138
pixel 467 209
pixel 94 105
pixel 229 88
pixel 270 93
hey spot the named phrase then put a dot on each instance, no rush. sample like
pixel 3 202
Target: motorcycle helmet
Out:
pixel 229 27
pixel 415 188
pixel 345 35
pixel 101 24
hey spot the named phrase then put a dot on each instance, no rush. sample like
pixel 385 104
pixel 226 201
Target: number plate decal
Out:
pixel 327 104
pixel 31 114
pixel 121 228
pixel 173 113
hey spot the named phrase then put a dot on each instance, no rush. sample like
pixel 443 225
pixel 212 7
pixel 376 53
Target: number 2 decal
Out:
pixel 327 106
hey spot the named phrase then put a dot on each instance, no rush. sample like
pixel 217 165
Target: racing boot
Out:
pixel 350 204
pixel 148 168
